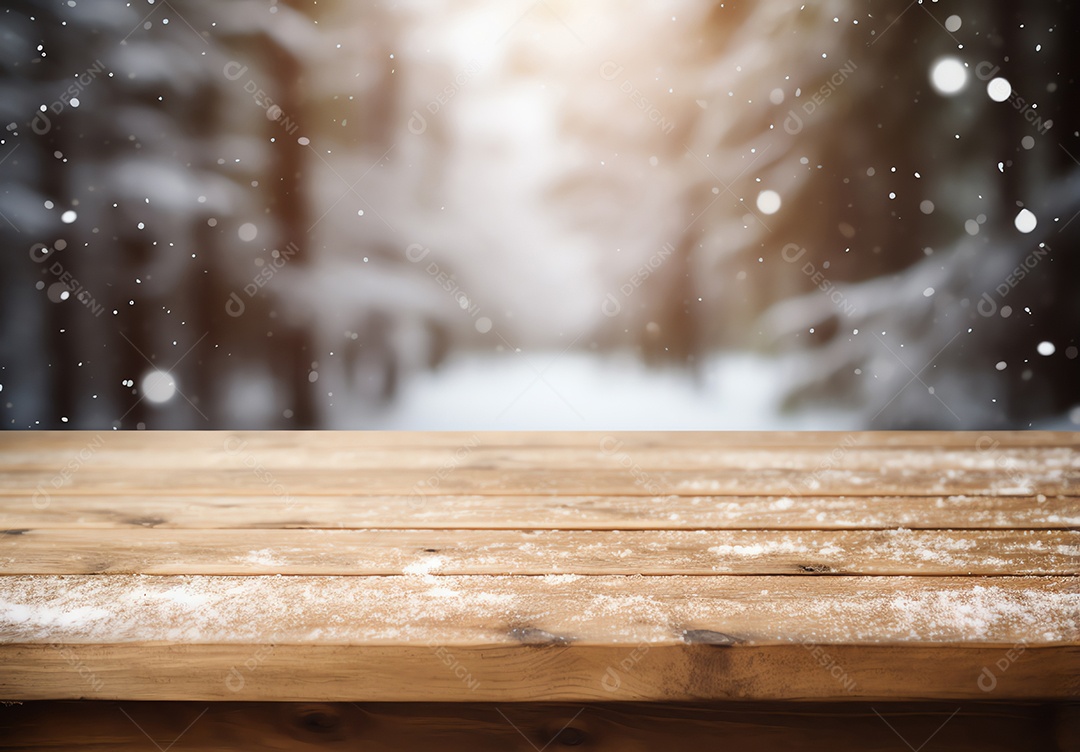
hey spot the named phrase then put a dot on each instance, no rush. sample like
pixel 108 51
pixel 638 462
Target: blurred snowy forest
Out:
pixel 553 213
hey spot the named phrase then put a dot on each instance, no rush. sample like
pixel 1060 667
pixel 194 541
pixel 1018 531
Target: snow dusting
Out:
pixel 397 610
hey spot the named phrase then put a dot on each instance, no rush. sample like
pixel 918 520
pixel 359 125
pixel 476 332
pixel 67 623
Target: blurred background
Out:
pixel 552 214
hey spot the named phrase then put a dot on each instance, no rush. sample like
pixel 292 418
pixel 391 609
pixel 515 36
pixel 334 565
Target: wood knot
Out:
pixel 709 637
pixel 570 737
pixel 146 521
pixel 572 733
pixel 537 637
pixel 317 720
pixel 320 721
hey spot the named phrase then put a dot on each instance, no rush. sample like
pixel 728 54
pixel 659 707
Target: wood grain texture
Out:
pixel 547 566
pixel 624 464
pixel 700 671
pixel 479 727
pixel 330 441
pixel 562 512
pixel 610 452
pixel 540 552
pixel 210 441
pixel 1048 481
pixel 424 608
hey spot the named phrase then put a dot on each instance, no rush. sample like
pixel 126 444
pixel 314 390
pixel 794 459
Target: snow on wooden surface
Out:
pixel 573 608
pixel 180 555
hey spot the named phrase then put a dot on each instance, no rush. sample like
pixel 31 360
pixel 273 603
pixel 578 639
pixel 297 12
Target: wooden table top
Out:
pixel 481 567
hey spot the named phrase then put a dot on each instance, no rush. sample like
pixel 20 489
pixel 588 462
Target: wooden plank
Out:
pixel 332 441
pixel 104 452
pixel 540 566
pixel 480 727
pixel 465 552
pixel 1067 723
pixel 578 482
pixel 493 610
pixel 283 671
pixel 809 512
pixel 623 464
